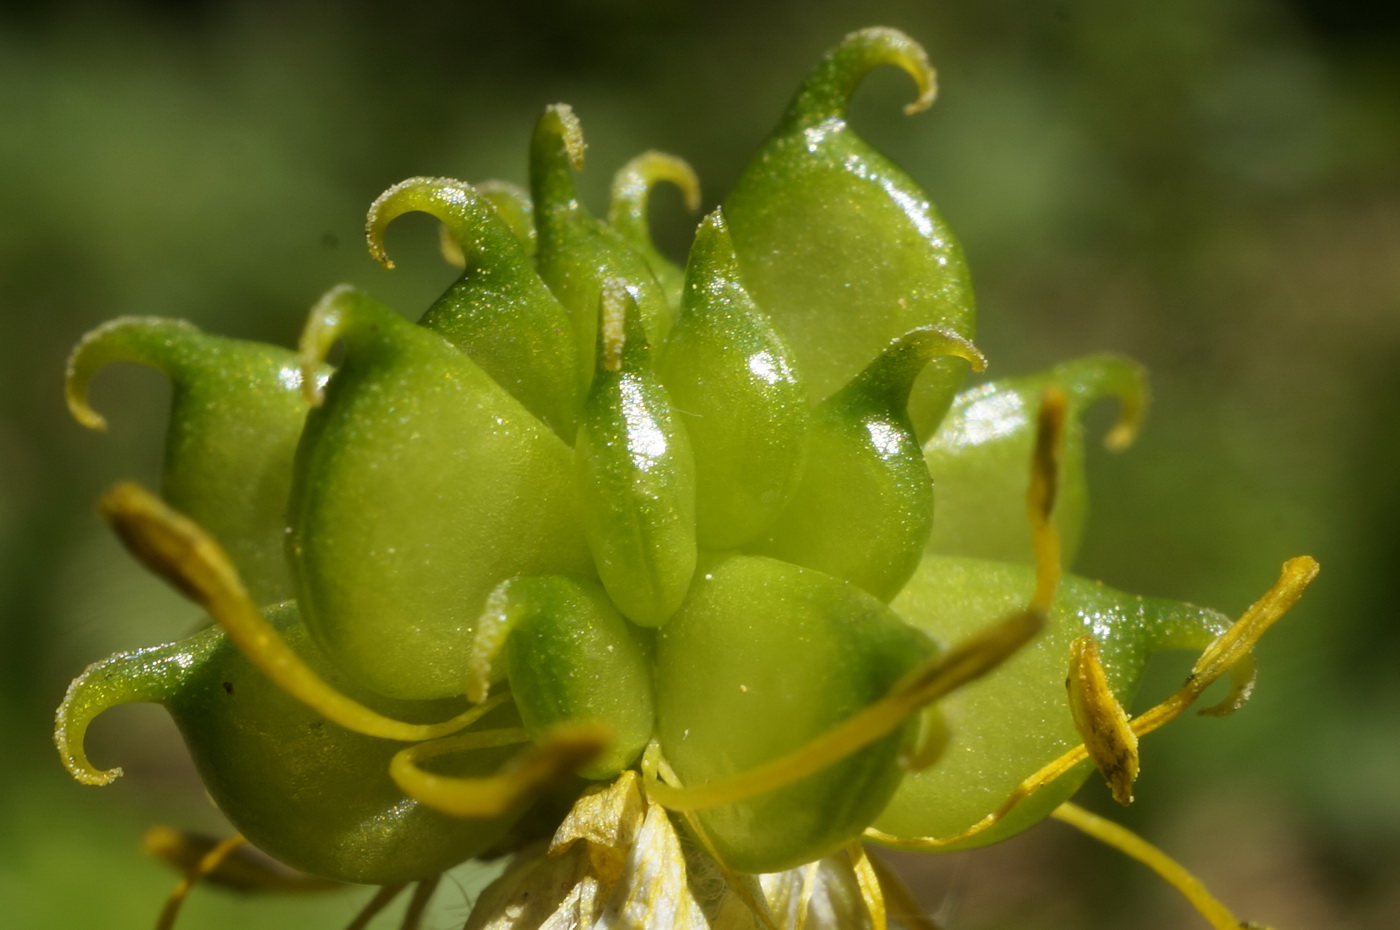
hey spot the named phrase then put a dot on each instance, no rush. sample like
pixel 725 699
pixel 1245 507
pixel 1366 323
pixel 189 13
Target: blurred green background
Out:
pixel 1212 186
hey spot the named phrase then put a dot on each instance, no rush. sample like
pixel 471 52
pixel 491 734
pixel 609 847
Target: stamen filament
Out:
pixel 568 750
pixel 1230 649
pixel 244 869
pixel 905 910
pixel 209 863
pixel 871 890
pixel 972 658
pixel 1135 847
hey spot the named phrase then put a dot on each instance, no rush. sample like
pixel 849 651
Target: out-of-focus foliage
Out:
pixel 1210 187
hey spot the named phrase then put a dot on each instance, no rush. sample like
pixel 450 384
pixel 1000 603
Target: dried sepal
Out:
pixel 244 868
pixel 618 862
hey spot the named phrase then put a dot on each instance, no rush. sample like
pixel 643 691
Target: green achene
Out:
pixel 265 757
pixel 499 312
pixel 735 386
pixel 724 706
pixel 411 429
pixel 698 574
pixel 235 418
pixel 952 598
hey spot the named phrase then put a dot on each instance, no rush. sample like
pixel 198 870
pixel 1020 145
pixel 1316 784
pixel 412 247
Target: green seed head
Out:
pixel 612 551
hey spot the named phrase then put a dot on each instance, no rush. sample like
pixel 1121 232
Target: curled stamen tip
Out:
pixel 322 328
pixel 1122 435
pixel 930 342
pixel 971 354
pixel 1301 570
pixel 635 179
pixel 905 356
pixel 570 132
pixel 1133 395
pixel 864 49
pixel 77 376
pixel 433 196
pixel 145 340
pixel 492 629
pixel 899 49
pixel 376 221
pixel 73 756
pixel 79 407
pixel 84 773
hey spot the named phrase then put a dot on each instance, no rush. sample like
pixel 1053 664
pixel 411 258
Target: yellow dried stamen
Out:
pixel 1101 721
pixel 1041 494
pixel 1225 655
pixel 243 869
pixel 206 866
pixel 566 751
pixel 810 871
pixel 657 773
pixel 1135 847
pixel 178 550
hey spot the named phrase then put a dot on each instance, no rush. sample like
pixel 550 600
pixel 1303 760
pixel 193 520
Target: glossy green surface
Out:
pixel 842 247
pixel 978 457
pixel 734 385
pixel 1003 728
pixel 572 658
pixel 635 473
pixel 499 312
pixel 301 788
pixel 763 657
pixel 236 412
pixel 420 484
pixel 865 504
